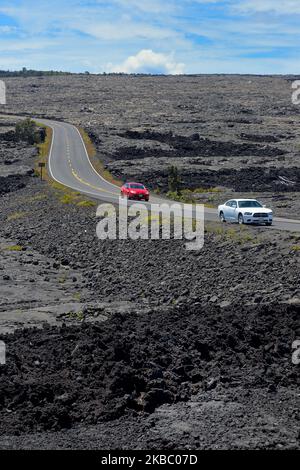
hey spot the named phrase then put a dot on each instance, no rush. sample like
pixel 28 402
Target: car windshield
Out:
pixel 243 204
pixel 137 186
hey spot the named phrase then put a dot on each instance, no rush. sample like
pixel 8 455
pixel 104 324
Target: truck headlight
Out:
pixel 248 213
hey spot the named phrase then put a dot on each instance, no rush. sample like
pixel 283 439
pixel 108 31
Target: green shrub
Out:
pixel 27 131
pixel 174 180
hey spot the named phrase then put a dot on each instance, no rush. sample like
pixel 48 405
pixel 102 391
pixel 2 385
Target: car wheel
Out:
pixel 268 224
pixel 241 219
pixel 222 217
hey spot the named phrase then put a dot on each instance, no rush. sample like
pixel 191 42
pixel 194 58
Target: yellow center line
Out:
pixel 89 184
pixel 78 178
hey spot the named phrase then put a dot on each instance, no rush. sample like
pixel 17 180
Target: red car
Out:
pixel 135 191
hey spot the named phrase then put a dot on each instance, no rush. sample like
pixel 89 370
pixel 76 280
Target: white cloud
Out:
pixel 25 45
pixel 147 61
pixel 207 35
pixel 148 6
pixel 124 29
pixel 264 6
pixel 7 29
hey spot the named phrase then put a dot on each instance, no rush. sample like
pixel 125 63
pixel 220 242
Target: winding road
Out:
pixel 69 164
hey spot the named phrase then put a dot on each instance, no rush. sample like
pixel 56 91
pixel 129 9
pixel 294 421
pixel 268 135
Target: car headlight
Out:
pixel 248 213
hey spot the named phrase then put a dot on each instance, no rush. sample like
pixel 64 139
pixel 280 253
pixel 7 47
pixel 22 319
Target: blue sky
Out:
pixel 154 36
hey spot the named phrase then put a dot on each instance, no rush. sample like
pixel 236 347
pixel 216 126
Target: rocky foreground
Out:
pixel 185 377
pixel 144 344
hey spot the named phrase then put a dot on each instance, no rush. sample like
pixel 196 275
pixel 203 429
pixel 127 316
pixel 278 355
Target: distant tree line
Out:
pixel 48 73
pixel 31 73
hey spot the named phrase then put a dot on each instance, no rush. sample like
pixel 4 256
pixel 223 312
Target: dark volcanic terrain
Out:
pixel 193 351
pixel 237 132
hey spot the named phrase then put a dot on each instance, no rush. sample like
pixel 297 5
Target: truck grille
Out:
pixel 259 214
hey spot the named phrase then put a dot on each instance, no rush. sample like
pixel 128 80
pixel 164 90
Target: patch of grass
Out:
pixel 68 196
pixel 86 204
pixel 77 296
pixel 62 279
pixel 73 197
pixel 14 248
pixel 207 190
pixel 38 197
pixel 59 187
pixel 16 216
pixel 67 199
pixel 296 248
pixel 215 230
pixel 79 316
pixel 239 235
pixel 231 233
pixel 186 196
pixel 246 238
pixel 97 164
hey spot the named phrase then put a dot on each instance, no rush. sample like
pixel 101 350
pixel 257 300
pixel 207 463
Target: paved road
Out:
pixel 69 164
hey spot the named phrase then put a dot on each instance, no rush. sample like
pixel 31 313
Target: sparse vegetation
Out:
pixel 77 296
pixel 86 204
pixel 62 279
pixel 14 248
pixel 77 316
pixel 207 190
pixel 296 248
pixel 189 196
pixel 174 182
pixel 16 216
pixel 67 198
pixel 27 131
pixel 38 197
pixel 240 234
pixel 184 196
